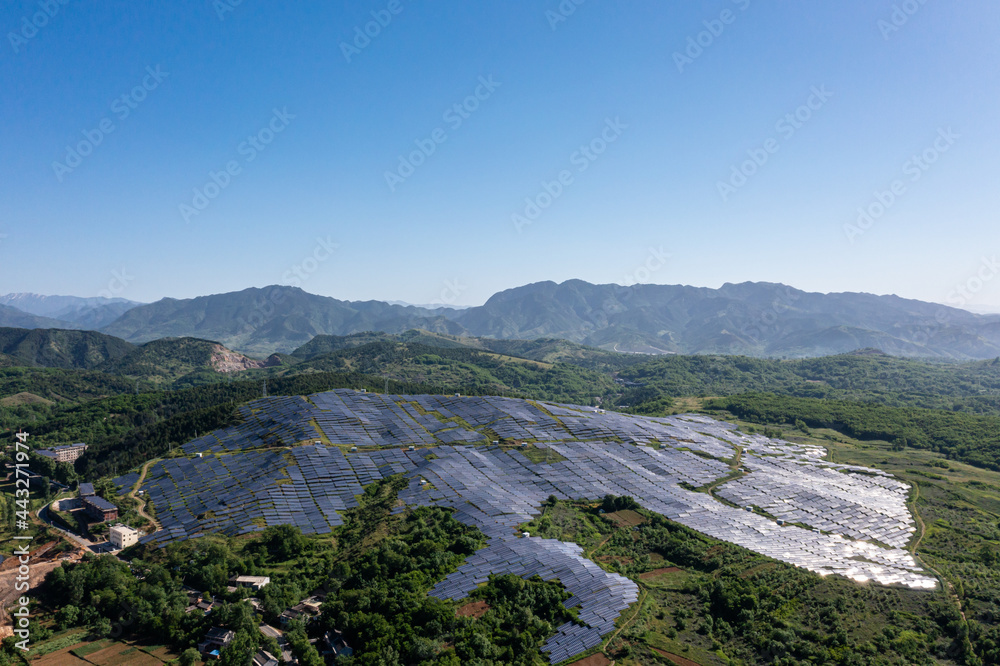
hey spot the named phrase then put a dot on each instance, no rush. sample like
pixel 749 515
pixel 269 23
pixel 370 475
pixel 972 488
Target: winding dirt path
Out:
pixel 947 584
pixel 141 509
pixel 920 520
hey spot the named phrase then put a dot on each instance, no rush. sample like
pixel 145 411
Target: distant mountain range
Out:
pixel 70 311
pixel 755 319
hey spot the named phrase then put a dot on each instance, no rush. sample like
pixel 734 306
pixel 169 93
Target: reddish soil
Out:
pixel 658 572
pixel 60 658
pixel 122 654
pixel 676 658
pixel 593 660
pixel 473 609
pixel 41 564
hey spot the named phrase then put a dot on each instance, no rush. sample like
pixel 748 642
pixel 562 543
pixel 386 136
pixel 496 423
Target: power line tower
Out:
pixel 264 384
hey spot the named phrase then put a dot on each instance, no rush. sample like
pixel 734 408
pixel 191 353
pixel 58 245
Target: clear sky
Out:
pixel 194 147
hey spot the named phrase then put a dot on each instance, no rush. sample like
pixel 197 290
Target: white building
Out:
pixel 122 536
pixel 253 582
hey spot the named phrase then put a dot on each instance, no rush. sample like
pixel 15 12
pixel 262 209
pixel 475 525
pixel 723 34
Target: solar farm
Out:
pixel 302 461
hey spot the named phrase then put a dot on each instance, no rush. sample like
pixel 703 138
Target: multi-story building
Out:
pixel 99 508
pixel 215 640
pixel 67 453
pixel 123 536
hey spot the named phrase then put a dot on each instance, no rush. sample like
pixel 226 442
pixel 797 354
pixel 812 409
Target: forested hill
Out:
pixel 59 348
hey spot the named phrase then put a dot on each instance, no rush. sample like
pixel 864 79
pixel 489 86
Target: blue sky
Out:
pixel 606 144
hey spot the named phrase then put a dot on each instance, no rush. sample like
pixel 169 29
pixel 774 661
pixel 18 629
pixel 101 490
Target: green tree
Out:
pixel 189 657
pixel 240 650
pixel 67 616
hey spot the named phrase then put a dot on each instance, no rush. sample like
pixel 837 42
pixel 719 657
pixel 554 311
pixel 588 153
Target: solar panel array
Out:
pixel 125 482
pixel 601 596
pixel 840 499
pixel 277 421
pixel 269 470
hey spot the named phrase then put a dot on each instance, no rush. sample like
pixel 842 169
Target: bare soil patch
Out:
pixel 41 564
pixel 122 654
pixel 658 572
pixel 473 609
pixel 598 659
pixel 60 658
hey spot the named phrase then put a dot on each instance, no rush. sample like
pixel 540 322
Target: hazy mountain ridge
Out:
pixel 82 312
pixel 12 317
pixel 755 319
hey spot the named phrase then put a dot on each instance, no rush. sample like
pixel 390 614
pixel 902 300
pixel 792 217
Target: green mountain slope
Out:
pixel 549 350
pixel 58 348
pixel 460 369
